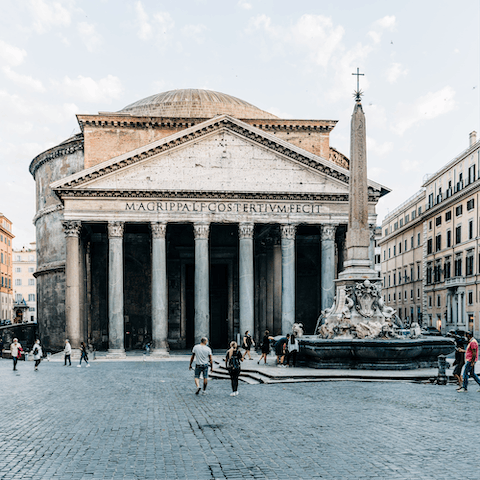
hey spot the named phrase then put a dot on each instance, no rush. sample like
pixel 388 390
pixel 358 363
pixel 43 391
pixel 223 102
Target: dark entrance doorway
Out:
pixel 189 305
pixel 219 305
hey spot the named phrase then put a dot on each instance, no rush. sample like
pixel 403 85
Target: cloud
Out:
pixel 430 106
pixel 314 34
pixel 280 113
pixel 244 4
pixel 90 37
pixel 47 15
pixel 159 25
pixel 26 80
pixel 395 71
pixel 385 23
pixel 11 55
pixel 86 89
pixel 195 32
pixel 381 149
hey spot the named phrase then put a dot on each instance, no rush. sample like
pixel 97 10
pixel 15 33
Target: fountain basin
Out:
pixel 374 354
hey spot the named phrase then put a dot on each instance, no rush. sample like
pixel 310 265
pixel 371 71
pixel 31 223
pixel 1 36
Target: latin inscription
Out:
pixel 223 207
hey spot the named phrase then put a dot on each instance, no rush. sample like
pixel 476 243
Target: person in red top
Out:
pixel 471 357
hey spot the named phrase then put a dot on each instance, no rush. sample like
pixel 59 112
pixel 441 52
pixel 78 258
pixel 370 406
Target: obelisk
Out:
pixel 358 264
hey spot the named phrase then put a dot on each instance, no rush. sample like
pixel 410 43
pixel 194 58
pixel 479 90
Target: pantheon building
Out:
pixel 186 214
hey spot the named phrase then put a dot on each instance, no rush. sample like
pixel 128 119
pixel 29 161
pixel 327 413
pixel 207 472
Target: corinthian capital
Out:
pixel 159 230
pixel 115 229
pixel 200 230
pixel 288 231
pixel 72 228
pixel 245 230
pixel 328 232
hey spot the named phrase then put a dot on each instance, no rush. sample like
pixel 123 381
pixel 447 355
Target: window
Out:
pixel 429 273
pixel 414 214
pixel 384 254
pixel 389 281
pixel 411 274
pixel 386 231
pixel 436 272
pixel 407 218
pixel 448 216
pixel 448 266
pixel 470 297
pixel 458 210
pixel 471 204
pixel 31 269
pixel 458 234
pixel 389 252
pixel 406 245
pixel 394 296
pixel 395 226
pixel 31 258
pixel 470 229
pixel 430 302
pixel 18 282
pixel 394 250
pixel 405 295
pixel 438 243
pixel 419 210
pixel 471 174
pixel 31 309
pixel 469 263
pixel 430 200
pixel 31 281
pixel 438 221
pixel 411 294
pixel 31 297
pixel 418 239
pixel 458 266
pixel 389 298
pixel 411 242
pixel 394 279
pixel 400 247
pixel 418 293
pixel 449 238
pixel 439 301
pixel 430 225
pixel 18 269
pixel 401 222
pixel 18 297
pixel 418 271
pixel 18 258
pixel 429 246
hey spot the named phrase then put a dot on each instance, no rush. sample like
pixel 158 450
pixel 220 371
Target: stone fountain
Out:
pixel 359 330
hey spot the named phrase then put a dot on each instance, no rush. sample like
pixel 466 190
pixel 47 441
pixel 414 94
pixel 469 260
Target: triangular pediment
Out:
pixel 220 155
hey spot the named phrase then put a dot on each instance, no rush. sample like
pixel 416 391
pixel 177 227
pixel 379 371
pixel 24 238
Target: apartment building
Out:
pixel 24 266
pixel 431 248
pixel 6 281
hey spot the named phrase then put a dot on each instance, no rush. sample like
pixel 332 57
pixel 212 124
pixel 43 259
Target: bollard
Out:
pixel 442 367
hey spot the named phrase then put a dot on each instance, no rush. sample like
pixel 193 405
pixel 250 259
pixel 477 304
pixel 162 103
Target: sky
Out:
pixel 421 61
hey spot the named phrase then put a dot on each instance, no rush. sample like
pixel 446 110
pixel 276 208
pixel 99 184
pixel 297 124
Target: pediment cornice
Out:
pixel 223 122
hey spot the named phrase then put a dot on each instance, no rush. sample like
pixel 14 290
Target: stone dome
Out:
pixel 194 103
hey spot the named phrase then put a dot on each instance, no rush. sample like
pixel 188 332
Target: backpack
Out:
pixel 234 362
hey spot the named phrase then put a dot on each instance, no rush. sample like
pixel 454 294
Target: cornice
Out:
pixel 47 211
pixel 185 195
pixel 65 148
pixel 49 268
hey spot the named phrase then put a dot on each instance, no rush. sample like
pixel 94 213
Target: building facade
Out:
pixel 24 283
pixel 431 248
pixel 185 214
pixel 6 290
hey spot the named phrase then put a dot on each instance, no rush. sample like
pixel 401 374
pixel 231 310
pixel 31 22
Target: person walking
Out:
pixel 280 348
pixel 471 357
pixel 84 355
pixel 292 348
pixel 16 352
pixel 37 354
pixel 1 347
pixel 265 347
pixel 233 358
pixel 202 354
pixel 459 359
pixel 248 343
pixel 67 351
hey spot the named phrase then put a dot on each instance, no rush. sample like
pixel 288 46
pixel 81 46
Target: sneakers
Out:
pixel 204 392
pixel 236 393
pixel 79 366
pixel 233 394
pixel 461 390
pixel 198 391
pixel 88 365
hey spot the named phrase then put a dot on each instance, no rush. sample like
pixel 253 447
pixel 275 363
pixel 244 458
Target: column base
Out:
pixel 160 352
pixel 116 353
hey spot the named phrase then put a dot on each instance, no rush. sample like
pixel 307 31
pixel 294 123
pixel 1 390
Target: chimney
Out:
pixel 473 138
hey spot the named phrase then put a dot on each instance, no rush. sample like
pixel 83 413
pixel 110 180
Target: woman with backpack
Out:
pixel 37 354
pixel 232 364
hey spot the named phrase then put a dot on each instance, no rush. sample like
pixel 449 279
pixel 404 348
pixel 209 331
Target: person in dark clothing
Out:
pixel 292 349
pixel 459 358
pixel 265 346
pixel 280 348
pixel 248 343
pixel 233 358
pixel 84 355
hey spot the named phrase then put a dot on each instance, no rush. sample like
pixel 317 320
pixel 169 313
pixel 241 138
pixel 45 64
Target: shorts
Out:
pixel 458 369
pixel 201 369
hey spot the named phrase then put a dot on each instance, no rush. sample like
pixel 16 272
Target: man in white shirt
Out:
pixel 16 351
pixel 67 352
pixel 202 354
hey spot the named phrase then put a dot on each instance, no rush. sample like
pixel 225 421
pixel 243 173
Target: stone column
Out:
pixel 288 277
pixel 458 316
pixel 328 265
pixel 159 289
pixel 202 282
pixel 73 326
pixel 371 248
pixel 464 310
pixel 246 279
pixel 116 327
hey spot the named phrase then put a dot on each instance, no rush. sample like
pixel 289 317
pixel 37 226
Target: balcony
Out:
pixel 455 282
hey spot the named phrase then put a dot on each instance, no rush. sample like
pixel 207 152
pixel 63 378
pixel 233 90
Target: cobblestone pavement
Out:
pixel 135 420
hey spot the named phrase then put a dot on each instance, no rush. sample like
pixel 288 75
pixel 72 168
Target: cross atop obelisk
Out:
pixel 358 92
pixel 358 264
